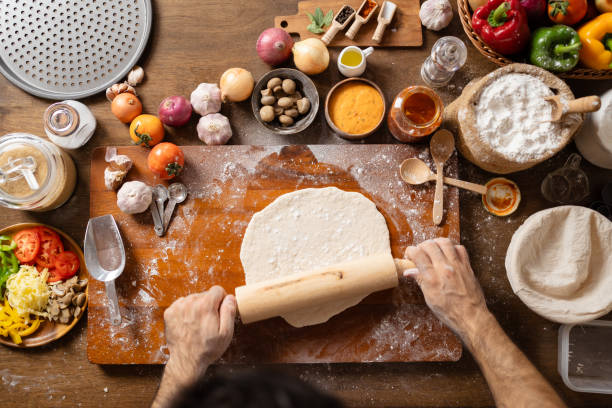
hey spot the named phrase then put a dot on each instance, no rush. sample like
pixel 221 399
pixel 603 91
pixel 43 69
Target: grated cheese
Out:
pixel 28 291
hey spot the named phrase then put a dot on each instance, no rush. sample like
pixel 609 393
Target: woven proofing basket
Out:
pixel 466 21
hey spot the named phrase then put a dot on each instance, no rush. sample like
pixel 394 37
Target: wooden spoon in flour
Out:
pixel 581 105
pixel 441 148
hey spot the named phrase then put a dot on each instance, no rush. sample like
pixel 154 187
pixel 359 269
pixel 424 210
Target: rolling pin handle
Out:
pixel 402 265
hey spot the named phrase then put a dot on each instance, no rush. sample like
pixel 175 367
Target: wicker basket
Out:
pixel 466 21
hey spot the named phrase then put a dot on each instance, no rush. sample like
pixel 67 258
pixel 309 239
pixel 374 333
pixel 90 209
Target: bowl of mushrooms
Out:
pixel 285 101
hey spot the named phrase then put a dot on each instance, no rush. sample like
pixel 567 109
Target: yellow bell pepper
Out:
pixel 603 5
pixel 596 37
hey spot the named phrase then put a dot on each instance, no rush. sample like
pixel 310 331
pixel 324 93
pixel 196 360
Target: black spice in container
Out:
pixel 344 14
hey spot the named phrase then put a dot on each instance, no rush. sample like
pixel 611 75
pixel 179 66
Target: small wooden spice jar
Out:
pixel 416 113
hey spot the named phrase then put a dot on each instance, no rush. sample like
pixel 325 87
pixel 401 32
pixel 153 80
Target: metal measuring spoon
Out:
pixel 160 195
pixel 178 194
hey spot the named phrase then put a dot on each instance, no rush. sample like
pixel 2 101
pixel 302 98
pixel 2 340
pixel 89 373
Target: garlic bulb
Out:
pixel 214 129
pixel 117 89
pixel 436 14
pixel 136 76
pixel 134 197
pixel 206 98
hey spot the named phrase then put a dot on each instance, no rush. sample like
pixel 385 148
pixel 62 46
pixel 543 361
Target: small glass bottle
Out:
pixel 69 124
pixel 35 174
pixel 447 56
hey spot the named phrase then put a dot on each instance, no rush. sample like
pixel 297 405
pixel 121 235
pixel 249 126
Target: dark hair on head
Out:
pixel 253 389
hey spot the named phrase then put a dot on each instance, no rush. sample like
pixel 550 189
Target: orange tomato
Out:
pixel 126 107
pixel 166 160
pixel 147 130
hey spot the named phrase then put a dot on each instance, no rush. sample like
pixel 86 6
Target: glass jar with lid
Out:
pixel 35 174
pixel 416 113
pixel 69 124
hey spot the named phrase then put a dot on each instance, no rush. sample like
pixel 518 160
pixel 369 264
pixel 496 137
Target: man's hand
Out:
pixel 448 284
pixel 199 328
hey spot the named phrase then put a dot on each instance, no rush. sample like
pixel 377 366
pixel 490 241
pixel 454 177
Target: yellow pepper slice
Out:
pixel 593 53
pixel 14 325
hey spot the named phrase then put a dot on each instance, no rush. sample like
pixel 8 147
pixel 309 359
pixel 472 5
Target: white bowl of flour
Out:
pixel 504 122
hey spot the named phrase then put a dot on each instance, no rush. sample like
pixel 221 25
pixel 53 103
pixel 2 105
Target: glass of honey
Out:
pixel 415 113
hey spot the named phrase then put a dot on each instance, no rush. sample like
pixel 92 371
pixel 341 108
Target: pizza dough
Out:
pixel 310 229
pixel 559 263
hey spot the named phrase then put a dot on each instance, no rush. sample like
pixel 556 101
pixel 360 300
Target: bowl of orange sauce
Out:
pixel 355 108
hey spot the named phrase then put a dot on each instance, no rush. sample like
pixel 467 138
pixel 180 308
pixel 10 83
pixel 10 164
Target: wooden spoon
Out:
pixel 360 20
pixel 441 148
pixel 581 105
pixel 336 26
pixel 387 11
pixel 415 171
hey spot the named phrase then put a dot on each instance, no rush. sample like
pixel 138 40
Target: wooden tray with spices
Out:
pixel 227 185
pixel 404 30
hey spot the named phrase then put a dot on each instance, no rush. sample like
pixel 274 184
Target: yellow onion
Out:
pixel 311 56
pixel 236 85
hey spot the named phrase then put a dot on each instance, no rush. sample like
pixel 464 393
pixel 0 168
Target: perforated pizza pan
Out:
pixel 70 49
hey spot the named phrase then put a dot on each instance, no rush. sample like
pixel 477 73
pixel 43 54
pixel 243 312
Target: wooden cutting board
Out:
pixel 404 30
pixel 227 185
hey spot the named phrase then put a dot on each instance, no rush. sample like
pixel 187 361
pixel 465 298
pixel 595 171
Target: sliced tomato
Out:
pixel 54 276
pixel 28 245
pixel 50 246
pixel 67 264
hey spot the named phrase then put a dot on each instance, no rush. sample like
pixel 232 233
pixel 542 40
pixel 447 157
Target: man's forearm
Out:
pixel 513 380
pixel 174 380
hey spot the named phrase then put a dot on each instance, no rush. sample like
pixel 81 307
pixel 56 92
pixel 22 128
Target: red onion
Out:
pixel 174 111
pixel 274 46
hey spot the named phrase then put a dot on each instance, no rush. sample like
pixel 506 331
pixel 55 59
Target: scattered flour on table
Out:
pixel 512 116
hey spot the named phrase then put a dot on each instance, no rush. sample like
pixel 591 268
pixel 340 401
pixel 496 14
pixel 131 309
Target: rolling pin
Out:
pixel 280 296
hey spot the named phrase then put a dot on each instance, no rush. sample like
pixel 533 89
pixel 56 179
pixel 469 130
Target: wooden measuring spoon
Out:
pixel 336 26
pixel 360 19
pixel 416 171
pixel 387 11
pixel 441 148
pixel 581 105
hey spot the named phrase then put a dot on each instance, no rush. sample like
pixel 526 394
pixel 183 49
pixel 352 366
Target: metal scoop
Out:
pixel 105 258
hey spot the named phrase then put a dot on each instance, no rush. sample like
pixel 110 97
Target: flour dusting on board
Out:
pixel 226 186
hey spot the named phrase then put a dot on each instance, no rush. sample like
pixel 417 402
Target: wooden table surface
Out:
pixel 195 41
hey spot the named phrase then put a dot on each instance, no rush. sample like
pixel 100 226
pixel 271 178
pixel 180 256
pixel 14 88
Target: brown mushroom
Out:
pixel 64 302
pixel 65 316
pixel 80 299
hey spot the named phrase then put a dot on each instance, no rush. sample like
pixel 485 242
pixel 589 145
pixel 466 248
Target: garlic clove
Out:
pixel 136 76
pixel 117 89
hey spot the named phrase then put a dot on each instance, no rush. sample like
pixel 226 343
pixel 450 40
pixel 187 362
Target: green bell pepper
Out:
pixel 555 48
pixel 7 247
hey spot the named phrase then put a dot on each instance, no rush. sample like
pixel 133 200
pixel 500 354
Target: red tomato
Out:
pixel 54 276
pixel 67 264
pixel 50 246
pixel 166 160
pixel 28 245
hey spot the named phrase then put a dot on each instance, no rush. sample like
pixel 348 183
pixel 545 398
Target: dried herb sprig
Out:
pixel 318 20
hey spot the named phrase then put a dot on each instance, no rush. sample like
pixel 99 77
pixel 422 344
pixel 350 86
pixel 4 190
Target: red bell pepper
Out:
pixel 502 24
